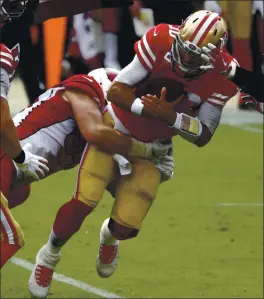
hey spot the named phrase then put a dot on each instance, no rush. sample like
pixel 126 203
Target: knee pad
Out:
pixel 121 232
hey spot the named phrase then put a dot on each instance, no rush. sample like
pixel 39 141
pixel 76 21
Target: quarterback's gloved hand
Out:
pixel 7 61
pixel 166 166
pixel 116 3
pixel 250 103
pixel 218 60
pixel 33 165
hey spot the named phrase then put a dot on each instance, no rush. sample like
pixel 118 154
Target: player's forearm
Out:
pixel 249 82
pixel 191 129
pixel 9 139
pixel 110 140
pixel 121 91
pixel 121 95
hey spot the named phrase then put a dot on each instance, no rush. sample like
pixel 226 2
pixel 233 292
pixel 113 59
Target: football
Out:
pixel 154 86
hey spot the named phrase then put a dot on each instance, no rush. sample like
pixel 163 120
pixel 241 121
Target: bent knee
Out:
pixel 121 232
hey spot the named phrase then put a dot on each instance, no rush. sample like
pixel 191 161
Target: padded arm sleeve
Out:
pixel 133 73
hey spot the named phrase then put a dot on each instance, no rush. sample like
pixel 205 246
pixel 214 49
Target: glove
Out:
pixel 7 60
pixel 33 166
pixel 165 164
pixel 218 60
pixel 163 158
pixel 162 148
pixel 251 103
pixel 116 3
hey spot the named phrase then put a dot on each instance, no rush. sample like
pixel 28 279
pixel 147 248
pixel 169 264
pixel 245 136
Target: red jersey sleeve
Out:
pixel 86 84
pixel 147 48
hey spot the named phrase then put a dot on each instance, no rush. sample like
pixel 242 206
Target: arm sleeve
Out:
pixel 210 116
pixel 249 82
pixel 132 73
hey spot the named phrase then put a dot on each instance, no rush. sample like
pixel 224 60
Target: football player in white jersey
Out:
pixel 97 168
pixel 58 125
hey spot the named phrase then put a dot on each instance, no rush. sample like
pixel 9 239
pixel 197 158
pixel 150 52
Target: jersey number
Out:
pixel 173 31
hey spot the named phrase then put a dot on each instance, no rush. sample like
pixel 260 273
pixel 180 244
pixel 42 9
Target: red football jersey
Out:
pixel 153 51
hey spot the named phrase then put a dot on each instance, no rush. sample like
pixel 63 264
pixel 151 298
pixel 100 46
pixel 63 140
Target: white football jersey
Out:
pixel 49 126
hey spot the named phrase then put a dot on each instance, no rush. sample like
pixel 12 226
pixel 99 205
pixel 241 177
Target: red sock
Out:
pixel 68 221
pixel 7 251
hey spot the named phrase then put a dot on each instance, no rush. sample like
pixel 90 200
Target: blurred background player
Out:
pixel 246 42
pixel 32 166
pixel 28 39
pixel 250 82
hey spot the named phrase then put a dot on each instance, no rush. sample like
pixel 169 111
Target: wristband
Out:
pixel 187 124
pixel 20 159
pixel 177 123
pixel 137 107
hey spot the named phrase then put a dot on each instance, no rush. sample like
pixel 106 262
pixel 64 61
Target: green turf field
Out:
pixel 191 246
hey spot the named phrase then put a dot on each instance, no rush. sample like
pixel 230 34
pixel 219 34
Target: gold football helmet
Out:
pixel 199 29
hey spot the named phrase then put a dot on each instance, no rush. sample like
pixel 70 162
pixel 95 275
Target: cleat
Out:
pixel 107 258
pixel 41 276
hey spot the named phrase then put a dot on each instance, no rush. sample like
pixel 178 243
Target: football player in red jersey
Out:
pixel 32 166
pixel 168 58
pixel 170 53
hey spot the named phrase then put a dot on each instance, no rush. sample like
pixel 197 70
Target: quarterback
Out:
pixel 166 65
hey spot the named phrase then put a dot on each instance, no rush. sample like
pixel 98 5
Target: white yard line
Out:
pixel 260 204
pixel 68 280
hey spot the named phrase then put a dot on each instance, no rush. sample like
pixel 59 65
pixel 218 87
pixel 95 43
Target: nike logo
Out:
pixel 225 64
pixel 155 32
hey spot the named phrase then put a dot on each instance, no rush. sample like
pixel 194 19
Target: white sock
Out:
pixel 50 246
pixel 105 234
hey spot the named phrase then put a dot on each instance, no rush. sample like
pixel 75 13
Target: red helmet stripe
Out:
pixel 207 30
pixel 199 27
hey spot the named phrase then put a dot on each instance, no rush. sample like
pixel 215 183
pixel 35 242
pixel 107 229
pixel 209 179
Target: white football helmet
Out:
pixel 199 29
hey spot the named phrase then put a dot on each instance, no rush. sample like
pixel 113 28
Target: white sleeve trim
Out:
pixel 151 54
pixel 132 73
